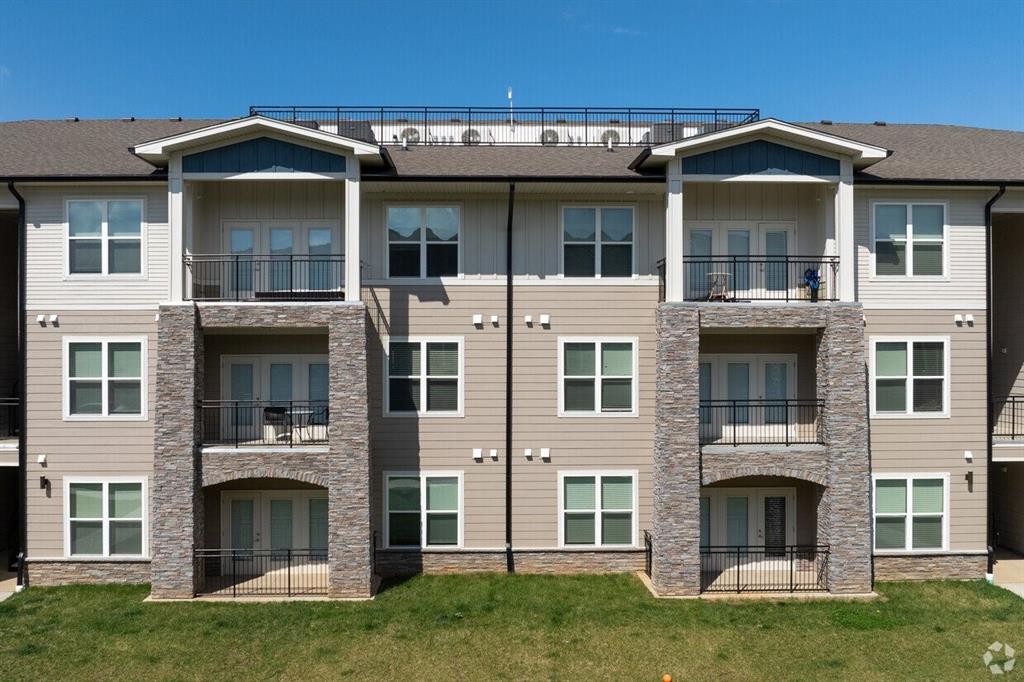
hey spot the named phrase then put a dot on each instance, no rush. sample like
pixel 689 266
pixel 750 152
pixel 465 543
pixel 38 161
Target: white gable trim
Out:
pixel 778 129
pixel 159 150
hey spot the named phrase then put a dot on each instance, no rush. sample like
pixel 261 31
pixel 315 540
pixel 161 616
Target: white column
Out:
pixel 175 219
pixel 844 232
pixel 352 278
pixel 674 234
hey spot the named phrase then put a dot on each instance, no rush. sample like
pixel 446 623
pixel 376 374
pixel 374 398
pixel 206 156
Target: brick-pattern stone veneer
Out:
pixel 841 467
pixel 342 467
pixel 177 501
pixel 53 573
pixel 389 563
pixel 931 567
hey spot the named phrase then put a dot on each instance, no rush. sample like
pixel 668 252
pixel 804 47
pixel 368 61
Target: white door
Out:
pixel 240 533
pixel 776 278
pixel 700 247
pixel 239 274
pixel 274 520
pixel 760 385
pixel 281 247
pixel 318 272
pixel 240 417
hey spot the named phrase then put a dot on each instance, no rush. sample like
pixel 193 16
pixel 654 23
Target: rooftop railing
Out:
pixel 550 127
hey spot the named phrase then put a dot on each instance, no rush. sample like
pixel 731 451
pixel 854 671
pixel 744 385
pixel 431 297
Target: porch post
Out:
pixel 352 274
pixel 674 234
pixel 844 232
pixel 175 215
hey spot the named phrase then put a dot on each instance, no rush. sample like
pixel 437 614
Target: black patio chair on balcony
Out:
pixel 279 420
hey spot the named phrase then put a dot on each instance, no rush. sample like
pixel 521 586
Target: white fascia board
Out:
pixel 159 150
pixel 814 138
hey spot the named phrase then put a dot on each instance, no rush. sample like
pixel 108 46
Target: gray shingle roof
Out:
pixel 103 148
pixel 937 152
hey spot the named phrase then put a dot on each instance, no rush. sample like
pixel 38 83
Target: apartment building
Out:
pixel 305 349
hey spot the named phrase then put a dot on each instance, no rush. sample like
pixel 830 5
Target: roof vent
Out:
pixel 74 119
pixel 176 118
pixel 879 123
pixel 826 122
pixel 130 119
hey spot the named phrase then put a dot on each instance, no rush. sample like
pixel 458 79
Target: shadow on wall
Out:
pixel 389 319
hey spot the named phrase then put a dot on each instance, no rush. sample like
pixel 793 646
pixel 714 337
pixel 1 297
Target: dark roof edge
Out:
pixel 513 178
pixel 84 178
pixel 937 183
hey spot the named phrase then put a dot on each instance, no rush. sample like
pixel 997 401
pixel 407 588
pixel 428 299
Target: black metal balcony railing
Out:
pixel 10 417
pixel 244 423
pixel 562 126
pixel 220 277
pixel 761 278
pixel 782 568
pixel 260 572
pixel 761 422
pixel 1009 417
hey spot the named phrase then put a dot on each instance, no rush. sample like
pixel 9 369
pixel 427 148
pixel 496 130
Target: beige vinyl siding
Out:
pixel 938 445
pixel 78 448
pixel 46 250
pixel 807 206
pixel 440 443
pixel 964 284
pixel 536 240
pixel 216 202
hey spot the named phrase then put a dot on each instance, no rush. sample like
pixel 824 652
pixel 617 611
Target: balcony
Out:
pixel 1008 415
pixel 254 423
pixel 786 568
pixel 269 278
pixel 10 421
pixel 761 422
pixel 261 572
pixel 761 278
pixel 472 126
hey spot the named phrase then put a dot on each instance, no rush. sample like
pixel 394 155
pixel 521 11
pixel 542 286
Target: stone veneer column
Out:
pixel 349 549
pixel 675 524
pixel 844 513
pixel 176 517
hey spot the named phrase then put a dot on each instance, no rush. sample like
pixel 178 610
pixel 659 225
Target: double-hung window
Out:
pixel 910 512
pixel 598 376
pixel 104 237
pixel 423 241
pixel 104 518
pixel 597 241
pixel 911 377
pixel 597 509
pixel 423 510
pixel 424 376
pixel 104 377
pixel 910 239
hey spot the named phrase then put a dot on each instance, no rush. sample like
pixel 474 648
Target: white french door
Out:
pixel 745 396
pixel 277 256
pixel 293 385
pixel 275 520
pixel 748 517
pixel 732 244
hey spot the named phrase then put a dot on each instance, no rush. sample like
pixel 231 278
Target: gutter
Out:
pixel 22 393
pixel 989 416
pixel 510 562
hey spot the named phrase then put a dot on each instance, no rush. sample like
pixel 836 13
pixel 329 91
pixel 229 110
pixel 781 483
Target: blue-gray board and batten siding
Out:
pixel 263 155
pixel 759 156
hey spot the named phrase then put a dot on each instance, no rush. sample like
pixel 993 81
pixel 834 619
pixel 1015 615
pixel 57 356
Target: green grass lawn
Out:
pixel 489 627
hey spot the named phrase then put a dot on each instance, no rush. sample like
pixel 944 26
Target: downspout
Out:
pixel 989 416
pixel 509 558
pixel 22 412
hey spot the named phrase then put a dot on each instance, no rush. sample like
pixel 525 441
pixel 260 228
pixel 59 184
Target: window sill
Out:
pixel 884 416
pixel 597 415
pixel 423 415
pixel 79 559
pixel 105 418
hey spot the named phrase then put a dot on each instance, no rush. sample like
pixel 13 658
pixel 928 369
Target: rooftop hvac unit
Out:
pixel 611 136
pixel 412 135
pixel 471 136
pixel 549 137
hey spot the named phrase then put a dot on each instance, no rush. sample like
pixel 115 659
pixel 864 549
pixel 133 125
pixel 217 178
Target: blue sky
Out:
pixel 898 61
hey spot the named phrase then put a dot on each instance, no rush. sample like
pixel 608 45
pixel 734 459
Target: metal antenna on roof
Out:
pixel 511 115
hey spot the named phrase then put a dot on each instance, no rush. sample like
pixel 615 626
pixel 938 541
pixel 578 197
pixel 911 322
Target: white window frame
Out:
pixel 909 514
pixel 909 413
pixel 422 206
pixel 105 379
pixel 104 239
pixel 597 474
pixel 597 341
pixel 106 481
pixel 910 240
pixel 423 341
pixel 597 241
pixel 423 476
